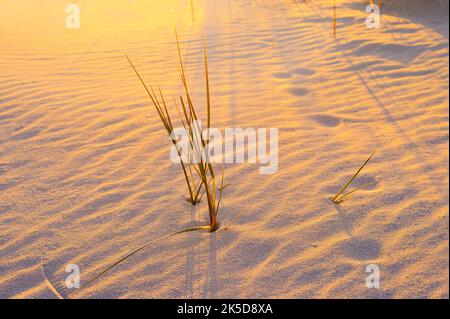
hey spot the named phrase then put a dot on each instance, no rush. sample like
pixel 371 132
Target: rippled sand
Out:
pixel 85 174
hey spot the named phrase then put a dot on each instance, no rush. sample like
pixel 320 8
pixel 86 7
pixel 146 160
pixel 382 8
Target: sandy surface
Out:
pixel 85 174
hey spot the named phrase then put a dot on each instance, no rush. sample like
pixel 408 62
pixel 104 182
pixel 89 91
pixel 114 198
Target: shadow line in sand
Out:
pixel 420 12
pixel 210 287
pixel 190 261
pixel 357 248
pixel 212 284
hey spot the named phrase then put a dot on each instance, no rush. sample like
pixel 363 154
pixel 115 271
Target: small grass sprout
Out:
pixel 339 197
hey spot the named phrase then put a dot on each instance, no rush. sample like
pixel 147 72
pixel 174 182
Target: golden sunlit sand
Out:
pixel 85 175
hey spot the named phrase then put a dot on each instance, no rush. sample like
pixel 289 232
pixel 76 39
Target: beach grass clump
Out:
pixel 197 168
pixel 165 117
pixel 195 162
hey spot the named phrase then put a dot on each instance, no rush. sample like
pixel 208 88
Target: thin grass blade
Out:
pixel 353 177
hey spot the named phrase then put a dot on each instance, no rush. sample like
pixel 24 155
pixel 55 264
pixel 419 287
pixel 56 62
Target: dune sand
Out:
pixel 85 174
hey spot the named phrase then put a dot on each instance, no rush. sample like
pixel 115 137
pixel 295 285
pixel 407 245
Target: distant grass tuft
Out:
pixel 339 197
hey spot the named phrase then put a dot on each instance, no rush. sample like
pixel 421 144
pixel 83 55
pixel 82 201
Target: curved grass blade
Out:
pixel 90 281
